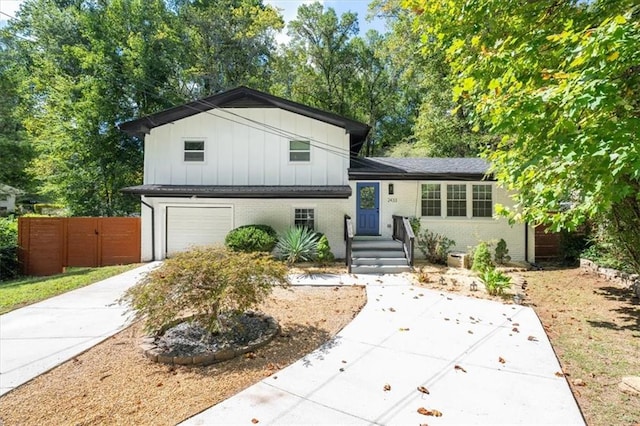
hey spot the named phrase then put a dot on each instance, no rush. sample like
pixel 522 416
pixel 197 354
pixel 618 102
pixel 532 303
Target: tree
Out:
pixel 559 82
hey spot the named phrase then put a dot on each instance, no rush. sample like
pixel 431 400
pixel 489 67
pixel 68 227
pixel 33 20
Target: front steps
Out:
pixel 375 255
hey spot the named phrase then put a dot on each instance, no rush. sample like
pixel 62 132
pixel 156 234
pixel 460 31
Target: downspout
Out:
pixel 526 241
pixel 153 229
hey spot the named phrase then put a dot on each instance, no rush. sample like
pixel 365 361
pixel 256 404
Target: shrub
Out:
pixel 502 252
pixel 250 238
pixel 482 258
pixel 572 244
pixel 495 281
pixel 298 244
pixel 208 282
pixel 434 247
pixel 323 254
pixel 415 225
pixel 9 265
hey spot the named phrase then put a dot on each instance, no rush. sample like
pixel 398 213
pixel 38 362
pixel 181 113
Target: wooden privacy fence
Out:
pixel 547 244
pixel 47 245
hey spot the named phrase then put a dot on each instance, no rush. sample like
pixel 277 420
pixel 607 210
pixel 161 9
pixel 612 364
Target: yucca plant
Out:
pixel 298 244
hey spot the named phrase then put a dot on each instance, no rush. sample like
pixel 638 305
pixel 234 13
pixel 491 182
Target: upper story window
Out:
pixel 431 205
pixel 482 202
pixel 194 151
pixel 305 218
pixel 299 151
pixel 457 199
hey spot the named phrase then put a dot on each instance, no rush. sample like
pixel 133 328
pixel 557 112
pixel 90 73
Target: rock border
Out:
pixel 156 354
pixel 630 281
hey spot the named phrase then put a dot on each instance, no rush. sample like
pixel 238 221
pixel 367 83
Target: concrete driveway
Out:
pixel 38 337
pixel 482 362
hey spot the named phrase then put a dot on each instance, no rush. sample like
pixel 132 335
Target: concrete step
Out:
pixel 379 269
pixel 376 244
pixel 377 253
pixel 361 261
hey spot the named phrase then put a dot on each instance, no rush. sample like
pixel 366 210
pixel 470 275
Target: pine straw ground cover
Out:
pixel 113 383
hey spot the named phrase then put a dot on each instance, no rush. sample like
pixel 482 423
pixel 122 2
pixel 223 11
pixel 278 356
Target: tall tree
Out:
pixel 91 65
pixel 228 43
pixel 560 82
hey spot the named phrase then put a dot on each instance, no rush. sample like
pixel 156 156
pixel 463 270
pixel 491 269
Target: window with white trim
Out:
pixel 457 200
pixel 481 201
pixel 194 151
pixel 305 218
pixel 299 151
pixel 431 199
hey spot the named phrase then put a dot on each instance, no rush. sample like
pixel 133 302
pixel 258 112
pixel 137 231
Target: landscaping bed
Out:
pixel 114 383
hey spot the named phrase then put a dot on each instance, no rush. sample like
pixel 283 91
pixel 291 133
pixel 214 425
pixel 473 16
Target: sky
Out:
pixel 288 9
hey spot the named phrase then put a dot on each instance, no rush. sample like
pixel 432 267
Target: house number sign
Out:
pixel 392 200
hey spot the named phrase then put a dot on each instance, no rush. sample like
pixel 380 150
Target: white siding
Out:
pixel 466 232
pixel 329 216
pixel 240 150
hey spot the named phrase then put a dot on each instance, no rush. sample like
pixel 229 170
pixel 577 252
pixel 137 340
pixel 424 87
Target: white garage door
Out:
pixel 196 226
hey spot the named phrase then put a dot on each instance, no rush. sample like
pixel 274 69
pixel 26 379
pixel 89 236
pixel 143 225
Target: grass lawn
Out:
pixel 24 291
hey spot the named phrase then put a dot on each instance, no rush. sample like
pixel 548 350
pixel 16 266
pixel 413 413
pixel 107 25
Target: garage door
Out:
pixel 196 226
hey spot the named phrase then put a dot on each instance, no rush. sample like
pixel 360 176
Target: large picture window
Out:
pixel 305 218
pixel 482 203
pixel 299 151
pixel 431 197
pixel 457 200
pixel 194 151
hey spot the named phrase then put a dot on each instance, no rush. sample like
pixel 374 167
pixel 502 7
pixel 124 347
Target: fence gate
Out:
pixel 47 245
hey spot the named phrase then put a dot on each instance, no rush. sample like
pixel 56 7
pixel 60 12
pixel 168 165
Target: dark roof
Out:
pixel 419 168
pixel 243 97
pixel 240 191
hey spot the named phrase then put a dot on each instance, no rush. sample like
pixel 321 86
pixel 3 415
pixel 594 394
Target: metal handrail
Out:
pixel 348 238
pixel 403 232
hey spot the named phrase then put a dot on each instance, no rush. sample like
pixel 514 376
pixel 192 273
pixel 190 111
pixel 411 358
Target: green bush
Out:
pixel 434 247
pixel 298 244
pixel 206 282
pixel 502 252
pixel 251 238
pixel 9 265
pixel 415 225
pixel 323 254
pixel 482 258
pixel 495 281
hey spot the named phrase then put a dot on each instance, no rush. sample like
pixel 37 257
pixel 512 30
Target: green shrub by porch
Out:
pixel 252 238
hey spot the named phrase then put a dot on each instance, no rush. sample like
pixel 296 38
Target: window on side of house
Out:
pixel 457 200
pixel 194 151
pixel 299 151
pixel 305 218
pixel 431 197
pixel 482 202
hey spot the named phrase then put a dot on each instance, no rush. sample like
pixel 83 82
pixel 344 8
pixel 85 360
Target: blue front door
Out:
pixel 368 208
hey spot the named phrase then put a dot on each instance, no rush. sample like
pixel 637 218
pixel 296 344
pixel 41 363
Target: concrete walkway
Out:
pixel 38 337
pixel 482 362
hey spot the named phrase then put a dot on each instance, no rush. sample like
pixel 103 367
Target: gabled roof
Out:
pixel 419 168
pixel 6 189
pixel 244 97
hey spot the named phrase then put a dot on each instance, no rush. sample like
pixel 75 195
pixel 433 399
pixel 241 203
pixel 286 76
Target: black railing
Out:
pixel 348 238
pixel 403 232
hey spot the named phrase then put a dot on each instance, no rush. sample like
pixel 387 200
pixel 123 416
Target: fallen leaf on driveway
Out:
pixel 532 338
pixel 559 374
pixel 578 382
pixel 392 309
pixel 431 412
pixel 501 360
pixel 515 330
pixel 387 387
pixel 457 367
pixel 423 390
pixel 255 421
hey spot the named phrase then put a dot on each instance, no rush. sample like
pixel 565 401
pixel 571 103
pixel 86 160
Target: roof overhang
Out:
pixel 244 97
pixel 240 191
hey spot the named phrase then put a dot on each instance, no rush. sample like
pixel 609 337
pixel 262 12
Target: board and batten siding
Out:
pixel 278 213
pixel 466 232
pixel 246 146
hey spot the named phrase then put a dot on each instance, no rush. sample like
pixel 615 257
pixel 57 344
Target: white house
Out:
pixel 8 196
pixel 246 157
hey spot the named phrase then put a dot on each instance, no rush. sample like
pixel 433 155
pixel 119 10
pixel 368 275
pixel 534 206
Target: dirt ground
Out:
pixel 113 383
pixel 594 327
